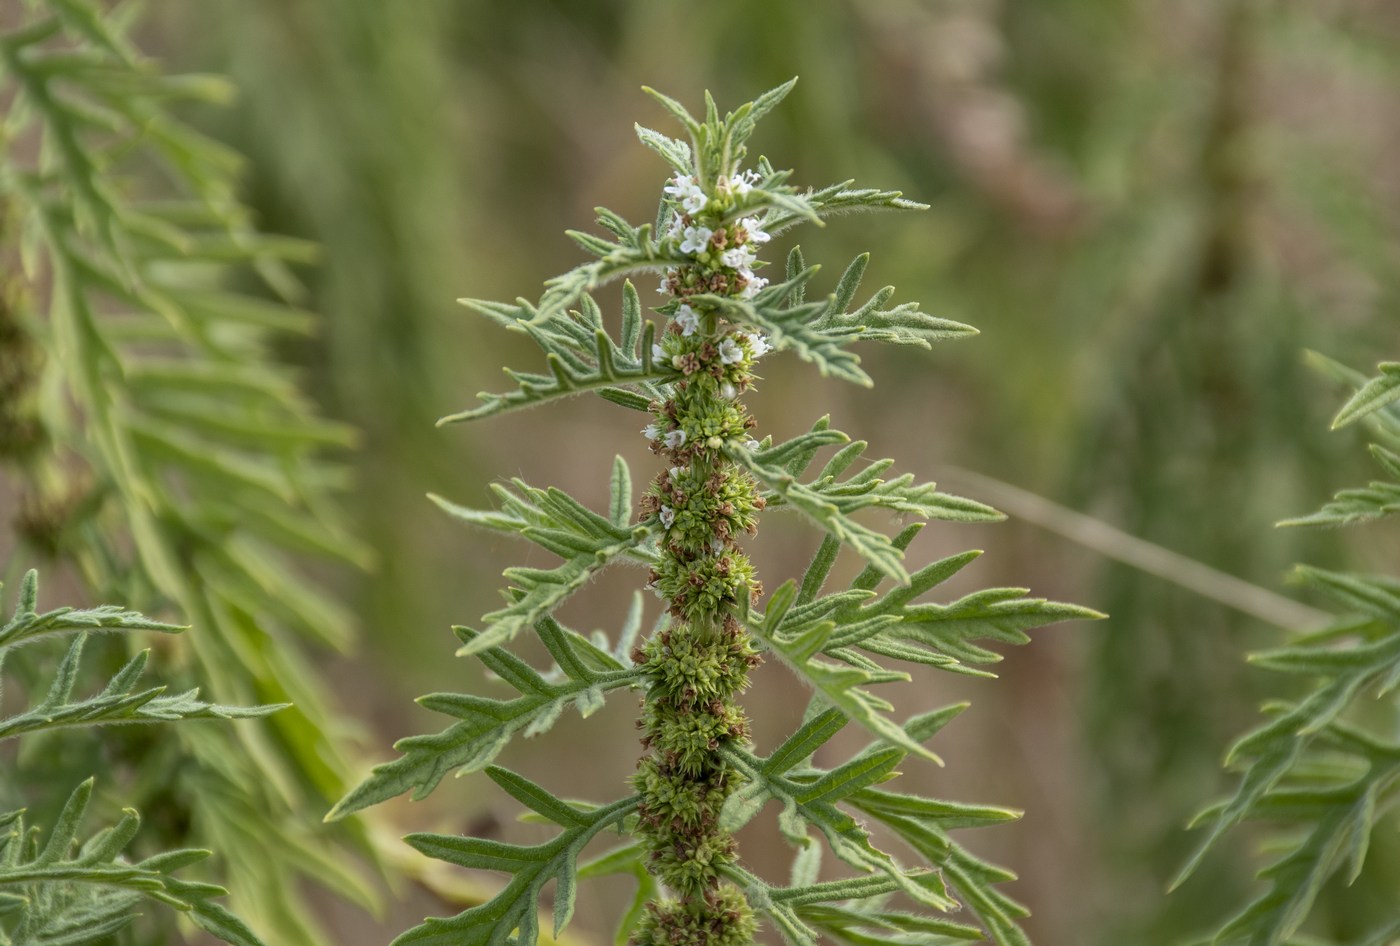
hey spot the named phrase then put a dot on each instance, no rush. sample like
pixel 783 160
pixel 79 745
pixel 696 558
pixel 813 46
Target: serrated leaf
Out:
pixel 487 724
pixel 874 547
pixel 842 687
pixel 1378 392
pixel 100 886
pixel 26 625
pixel 511 916
pixel 676 153
pixel 552 519
pixel 574 369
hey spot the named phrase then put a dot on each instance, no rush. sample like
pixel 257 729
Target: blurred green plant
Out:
pixel 73 892
pixel 159 445
pixel 698 780
pixel 1324 771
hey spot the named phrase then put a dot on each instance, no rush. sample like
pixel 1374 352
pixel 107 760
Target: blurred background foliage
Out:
pixel 1149 208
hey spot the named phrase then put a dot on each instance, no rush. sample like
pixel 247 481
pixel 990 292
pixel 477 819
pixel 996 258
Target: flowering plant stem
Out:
pixel 698 780
pixel 697 665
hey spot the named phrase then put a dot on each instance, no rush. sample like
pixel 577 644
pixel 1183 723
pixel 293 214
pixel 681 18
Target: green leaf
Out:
pixel 874 547
pixel 840 199
pixel 790 327
pixel 487 725
pixel 119 702
pixel 866 489
pixel 636 253
pixel 842 687
pixel 606 365
pixel 1375 394
pixel 1343 822
pixel 797 912
pixel 95 870
pixel 511 916
pixel 27 625
pixel 811 796
pixel 555 521
pixel 676 153
pixel 620 494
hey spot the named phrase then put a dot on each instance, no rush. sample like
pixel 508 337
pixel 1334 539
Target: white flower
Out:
pixel 730 352
pixel 743 182
pixel 657 354
pixel 692 199
pixel 675 472
pixel 716 546
pixel 665 287
pixel 651 432
pixel 683 183
pixel 728 391
pixel 752 285
pixel 751 445
pixel 675 439
pixel 755 231
pixel 687 319
pixel 740 257
pixel 758 345
pixel 696 239
pixel 667 516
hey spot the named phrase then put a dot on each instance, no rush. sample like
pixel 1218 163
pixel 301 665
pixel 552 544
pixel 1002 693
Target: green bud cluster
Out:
pixel 720 918
pixel 699 663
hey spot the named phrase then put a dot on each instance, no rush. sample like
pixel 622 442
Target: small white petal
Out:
pixel 687 319
pixel 651 432
pixel 751 445
pixel 683 185
pixel 754 230
pixel 740 257
pixel 730 352
pixel 675 439
pixel 752 286
pixel 696 239
pixel 667 516
pixel 728 391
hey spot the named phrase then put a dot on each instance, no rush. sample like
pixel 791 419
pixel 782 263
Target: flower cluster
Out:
pixel 699 663
pixel 724 250
pixel 716 369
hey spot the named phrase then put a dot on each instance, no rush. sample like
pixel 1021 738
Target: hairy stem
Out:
pixel 699 662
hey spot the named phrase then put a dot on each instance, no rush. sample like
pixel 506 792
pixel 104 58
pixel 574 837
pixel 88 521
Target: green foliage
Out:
pixel 487 725
pixel 119 701
pixel 699 781
pixel 1318 771
pixel 70 892
pixel 580 355
pixel 58 894
pixel 587 541
pixel 515 909
pixel 829 501
pixel 184 468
